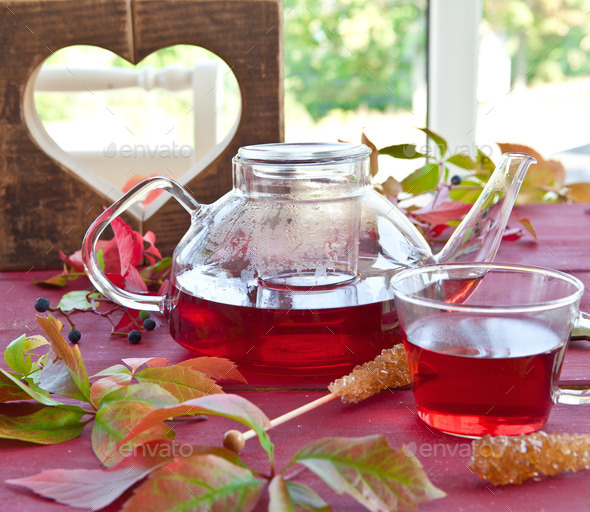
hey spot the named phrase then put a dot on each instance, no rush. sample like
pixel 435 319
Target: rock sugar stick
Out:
pixel 388 369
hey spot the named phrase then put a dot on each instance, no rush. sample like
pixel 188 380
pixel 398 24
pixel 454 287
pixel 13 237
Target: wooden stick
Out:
pixel 235 440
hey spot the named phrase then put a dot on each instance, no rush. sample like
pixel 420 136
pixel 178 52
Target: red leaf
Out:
pixel 133 281
pixel 217 368
pixel 152 250
pixel 96 488
pixel 442 213
pixel 129 243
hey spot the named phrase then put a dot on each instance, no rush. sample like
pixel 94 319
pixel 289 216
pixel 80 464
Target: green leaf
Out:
pixel 94 489
pixel 16 353
pixel 100 259
pixel 438 140
pixel 180 381
pixel 369 470
pixel 198 482
pixel 403 151
pixel 49 425
pixel 293 497
pixel 146 392
pixel 463 161
pixel 116 369
pixel 485 164
pixel 156 268
pixel 233 407
pixel 75 300
pixel 110 440
pixel 421 180
pixel 467 192
pixel 70 355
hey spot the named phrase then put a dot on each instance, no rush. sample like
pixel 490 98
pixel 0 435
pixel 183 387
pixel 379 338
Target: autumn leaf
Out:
pixel 217 368
pixel 374 156
pixel 233 407
pixel 181 382
pixel 579 192
pixel 70 355
pixel 198 482
pixel 305 499
pixel 32 391
pixel 441 213
pixel 49 425
pixel 9 391
pixel 107 384
pixel 152 362
pixel 540 176
pixel 288 496
pixel 369 470
pixel 114 422
pixel 94 489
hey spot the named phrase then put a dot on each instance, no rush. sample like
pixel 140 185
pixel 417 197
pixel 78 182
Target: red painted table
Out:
pixel 563 243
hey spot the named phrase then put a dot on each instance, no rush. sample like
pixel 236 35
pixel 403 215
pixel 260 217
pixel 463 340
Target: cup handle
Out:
pixel 91 266
pixel 582 330
pixel 573 395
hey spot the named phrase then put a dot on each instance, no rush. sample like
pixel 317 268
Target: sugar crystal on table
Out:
pixel 504 460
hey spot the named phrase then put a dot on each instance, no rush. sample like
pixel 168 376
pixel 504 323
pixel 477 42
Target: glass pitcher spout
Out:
pixel 478 236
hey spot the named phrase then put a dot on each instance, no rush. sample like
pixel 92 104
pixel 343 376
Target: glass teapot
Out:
pixel 290 271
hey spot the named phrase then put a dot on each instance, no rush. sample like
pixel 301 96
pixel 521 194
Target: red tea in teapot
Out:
pixel 315 340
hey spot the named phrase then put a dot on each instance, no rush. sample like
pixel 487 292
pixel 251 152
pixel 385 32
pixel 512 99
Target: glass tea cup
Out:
pixel 485 344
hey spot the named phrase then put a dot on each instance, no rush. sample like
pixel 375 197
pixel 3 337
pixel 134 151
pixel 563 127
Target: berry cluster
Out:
pixel 42 305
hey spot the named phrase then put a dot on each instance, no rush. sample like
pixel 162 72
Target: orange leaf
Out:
pixel 70 355
pixel 217 368
pixel 579 192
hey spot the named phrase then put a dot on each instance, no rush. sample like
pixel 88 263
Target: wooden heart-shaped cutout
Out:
pixel 112 123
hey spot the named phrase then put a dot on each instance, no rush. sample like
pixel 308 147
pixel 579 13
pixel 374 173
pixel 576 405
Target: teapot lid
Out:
pixel 318 152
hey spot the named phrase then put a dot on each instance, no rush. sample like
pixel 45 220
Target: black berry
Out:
pixel 149 324
pixel 74 335
pixel 455 180
pixel 42 304
pixel 134 337
pixel 144 315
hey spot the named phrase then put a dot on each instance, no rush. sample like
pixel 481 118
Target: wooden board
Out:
pixel 44 206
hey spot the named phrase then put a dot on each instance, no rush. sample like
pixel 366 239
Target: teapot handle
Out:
pixel 91 266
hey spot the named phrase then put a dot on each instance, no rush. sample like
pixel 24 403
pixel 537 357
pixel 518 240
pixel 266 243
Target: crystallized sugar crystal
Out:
pixel 507 460
pixel 388 369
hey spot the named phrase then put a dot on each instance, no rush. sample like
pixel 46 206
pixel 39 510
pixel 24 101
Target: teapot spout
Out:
pixel 478 236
